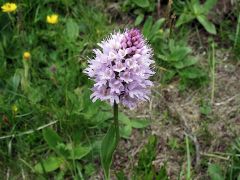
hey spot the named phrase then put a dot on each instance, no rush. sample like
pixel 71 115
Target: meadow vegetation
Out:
pixel 51 129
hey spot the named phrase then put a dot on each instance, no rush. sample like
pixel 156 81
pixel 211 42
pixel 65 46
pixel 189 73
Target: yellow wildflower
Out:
pixel 14 108
pixel 52 19
pixel 9 7
pixel 26 55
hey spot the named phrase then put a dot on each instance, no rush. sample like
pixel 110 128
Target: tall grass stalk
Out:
pixel 188 176
pixel 213 64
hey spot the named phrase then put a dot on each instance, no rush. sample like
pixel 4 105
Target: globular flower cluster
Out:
pixel 121 69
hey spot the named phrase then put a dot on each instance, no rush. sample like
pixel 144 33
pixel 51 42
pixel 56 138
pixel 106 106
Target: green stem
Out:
pixel 188 159
pixel 11 19
pixel 213 72
pixel 115 117
pixel 236 40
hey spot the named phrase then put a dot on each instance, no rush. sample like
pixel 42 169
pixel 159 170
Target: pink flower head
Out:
pixel 121 69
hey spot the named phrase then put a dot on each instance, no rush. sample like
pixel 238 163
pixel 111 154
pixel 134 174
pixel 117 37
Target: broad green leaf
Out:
pixel 72 29
pixel 207 24
pixel 147 26
pixel 185 62
pixel 126 131
pixel 140 123
pixel 197 9
pixel 208 5
pixel 215 172
pixel 142 3
pixel 184 18
pixel 179 53
pixel 192 73
pixel 52 138
pixel 50 164
pixel 139 19
pixel 124 119
pixel 78 152
pixel 108 146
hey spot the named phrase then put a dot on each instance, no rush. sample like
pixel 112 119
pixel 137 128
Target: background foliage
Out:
pixel 49 128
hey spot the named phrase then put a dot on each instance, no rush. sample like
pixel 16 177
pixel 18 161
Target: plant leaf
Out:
pixel 126 131
pixel 78 152
pixel 179 53
pixel 50 164
pixel 142 3
pixel 139 19
pixel 184 18
pixel 140 123
pixel 108 146
pixel 215 172
pixel 52 138
pixel 188 61
pixel 16 80
pixel 156 27
pixel 124 119
pixel 147 26
pixel 72 29
pixel 208 5
pixel 207 24
pixel 192 73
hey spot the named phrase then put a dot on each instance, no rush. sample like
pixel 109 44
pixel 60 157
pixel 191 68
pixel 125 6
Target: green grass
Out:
pixel 49 128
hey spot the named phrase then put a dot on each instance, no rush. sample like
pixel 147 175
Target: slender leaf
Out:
pixel 156 27
pixel 139 19
pixel 207 24
pixel 108 146
pixel 184 18
pixel 147 26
